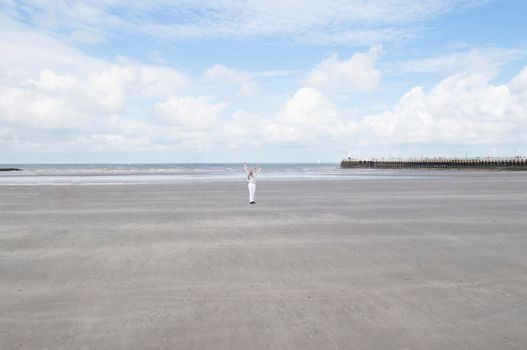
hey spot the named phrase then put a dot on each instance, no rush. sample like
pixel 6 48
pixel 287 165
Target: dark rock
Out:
pixel 10 169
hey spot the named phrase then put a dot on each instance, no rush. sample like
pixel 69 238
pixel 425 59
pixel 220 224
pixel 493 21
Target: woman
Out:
pixel 251 181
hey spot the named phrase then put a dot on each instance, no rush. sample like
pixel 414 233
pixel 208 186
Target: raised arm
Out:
pixel 257 170
pixel 245 167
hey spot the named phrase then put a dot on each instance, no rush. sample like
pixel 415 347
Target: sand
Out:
pixel 435 263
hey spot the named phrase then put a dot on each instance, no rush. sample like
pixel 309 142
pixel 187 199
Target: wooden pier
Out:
pixel 499 163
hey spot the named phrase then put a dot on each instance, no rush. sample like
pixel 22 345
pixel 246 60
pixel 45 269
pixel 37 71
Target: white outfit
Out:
pixel 252 189
pixel 251 182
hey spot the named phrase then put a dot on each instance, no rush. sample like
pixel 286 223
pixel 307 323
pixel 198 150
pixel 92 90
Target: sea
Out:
pixel 109 174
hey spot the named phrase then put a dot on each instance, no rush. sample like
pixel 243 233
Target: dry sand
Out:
pixel 436 263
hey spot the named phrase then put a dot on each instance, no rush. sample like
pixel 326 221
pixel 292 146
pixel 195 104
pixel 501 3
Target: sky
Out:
pixel 115 81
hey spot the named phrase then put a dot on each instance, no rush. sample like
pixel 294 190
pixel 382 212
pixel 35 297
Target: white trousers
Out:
pixel 252 189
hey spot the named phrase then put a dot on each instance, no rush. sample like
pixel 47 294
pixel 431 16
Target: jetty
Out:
pixel 498 163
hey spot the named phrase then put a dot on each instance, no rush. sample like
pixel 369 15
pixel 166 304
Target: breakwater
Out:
pixel 501 163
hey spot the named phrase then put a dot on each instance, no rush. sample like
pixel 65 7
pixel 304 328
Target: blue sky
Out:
pixel 274 81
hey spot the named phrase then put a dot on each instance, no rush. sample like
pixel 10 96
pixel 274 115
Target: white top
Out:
pixel 251 178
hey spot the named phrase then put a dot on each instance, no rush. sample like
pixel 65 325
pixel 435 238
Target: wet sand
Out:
pixel 435 263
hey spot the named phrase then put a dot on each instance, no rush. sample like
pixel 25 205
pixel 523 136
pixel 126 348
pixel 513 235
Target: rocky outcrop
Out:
pixel 10 169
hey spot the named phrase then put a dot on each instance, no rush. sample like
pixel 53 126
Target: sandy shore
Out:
pixel 436 263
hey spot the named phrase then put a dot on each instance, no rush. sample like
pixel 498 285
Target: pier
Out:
pixel 498 163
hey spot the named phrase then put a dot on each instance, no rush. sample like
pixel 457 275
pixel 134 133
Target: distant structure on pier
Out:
pixel 499 163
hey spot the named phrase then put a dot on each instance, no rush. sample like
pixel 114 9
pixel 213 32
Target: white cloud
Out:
pixel 50 81
pixel 56 101
pixel 66 98
pixel 308 117
pixel 54 94
pixel 29 107
pixel 227 75
pixel 162 136
pixel 81 21
pixel 344 76
pixel 117 142
pixel 518 86
pixel 354 22
pixel 463 108
pixel 243 130
pixel 487 60
pixel 275 73
pixel 110 88
pixel 47 84
pixel 359 37
pixel 188 113
pixel 87 36
pixel 21 47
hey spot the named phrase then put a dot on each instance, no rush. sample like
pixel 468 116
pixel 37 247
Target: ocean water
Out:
pixel 56 174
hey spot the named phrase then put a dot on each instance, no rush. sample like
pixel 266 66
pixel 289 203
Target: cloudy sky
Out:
pixel 266 81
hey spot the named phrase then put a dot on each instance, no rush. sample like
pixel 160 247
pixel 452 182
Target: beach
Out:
pixel 435 262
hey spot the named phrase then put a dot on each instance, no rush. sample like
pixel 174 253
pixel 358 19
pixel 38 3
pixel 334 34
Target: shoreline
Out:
pixel 353 176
